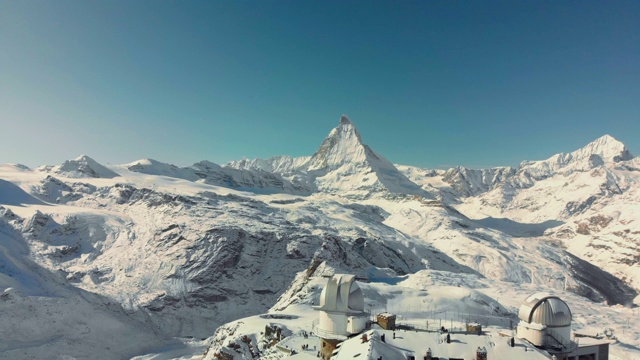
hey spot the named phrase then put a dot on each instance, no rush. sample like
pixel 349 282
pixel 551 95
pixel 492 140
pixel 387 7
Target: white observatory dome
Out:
pixel 545 309
pixel 342 294
pixel 341 308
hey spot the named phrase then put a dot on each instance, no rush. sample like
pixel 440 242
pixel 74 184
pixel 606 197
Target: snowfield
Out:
pixel 153 261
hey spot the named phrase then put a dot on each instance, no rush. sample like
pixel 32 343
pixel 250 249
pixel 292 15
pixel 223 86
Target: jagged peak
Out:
pixel 207 165
pixel 343 164
pixel 84 158
pixel 606 139
pixel 150 163
pixel 607 147
pixel 344 119
pixel 603 150
pixel 342 145
pixel 83 166
pixel 346 129
pixel 279 163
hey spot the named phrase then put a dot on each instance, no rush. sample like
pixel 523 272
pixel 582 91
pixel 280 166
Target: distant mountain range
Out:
pixel 185 250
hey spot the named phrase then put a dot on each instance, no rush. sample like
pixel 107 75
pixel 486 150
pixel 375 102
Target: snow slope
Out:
pixel 590 194
pixel 180 252
pixel 43 316
pixel 209 173
pixel 81 167
pixel 427 300
pixel 344 165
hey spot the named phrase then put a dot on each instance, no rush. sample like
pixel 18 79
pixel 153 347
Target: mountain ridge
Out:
pixel 195 247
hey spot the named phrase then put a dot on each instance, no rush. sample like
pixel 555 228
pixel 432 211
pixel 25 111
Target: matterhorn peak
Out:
pixel 84 158
pixel 343 164
pixel 342 145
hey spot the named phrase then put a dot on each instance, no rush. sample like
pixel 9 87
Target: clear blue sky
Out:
pixel 427 83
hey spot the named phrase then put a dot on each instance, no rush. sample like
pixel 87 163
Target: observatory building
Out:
pixel 545 322
pixel 544 332
pixel 341 312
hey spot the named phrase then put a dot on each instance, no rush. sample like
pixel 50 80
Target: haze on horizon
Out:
pixel 432 84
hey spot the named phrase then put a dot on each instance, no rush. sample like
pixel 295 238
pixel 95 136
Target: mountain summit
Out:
pixel 605 149
pixel 81 167
pixel 342 146
pixel 344 165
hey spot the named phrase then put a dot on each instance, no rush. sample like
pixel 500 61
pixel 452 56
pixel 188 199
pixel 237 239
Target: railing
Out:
pixel 434 315
pixel 435 327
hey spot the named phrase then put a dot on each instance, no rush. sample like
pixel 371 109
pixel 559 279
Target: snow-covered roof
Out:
pixel 417 344
pixel 386 315
pixel 342 294
pixel 545 309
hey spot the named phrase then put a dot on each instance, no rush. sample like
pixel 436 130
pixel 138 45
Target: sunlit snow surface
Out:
pixel 152 260
pixel 425 300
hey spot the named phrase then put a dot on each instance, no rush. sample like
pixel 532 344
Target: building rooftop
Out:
pixel 386 315
pixel 416 343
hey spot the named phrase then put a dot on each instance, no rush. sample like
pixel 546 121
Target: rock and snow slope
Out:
pixel 210 173
pixel 43 316
pixel 344 165
pixel 590 196
pixel 81 167
pixel 189 249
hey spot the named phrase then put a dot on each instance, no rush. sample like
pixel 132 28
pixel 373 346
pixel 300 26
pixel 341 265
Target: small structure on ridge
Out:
pixel 386 321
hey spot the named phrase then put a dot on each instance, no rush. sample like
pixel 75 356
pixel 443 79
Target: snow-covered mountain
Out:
pixel 182 251
pixel 276 164
pixel 604 151
pixel 591 192
pixel 214 174
pixel 81 167
pixel 342 165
